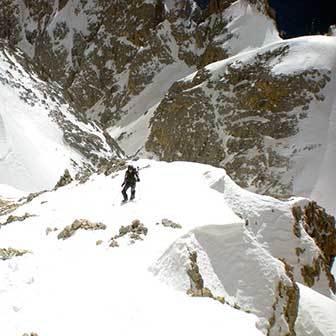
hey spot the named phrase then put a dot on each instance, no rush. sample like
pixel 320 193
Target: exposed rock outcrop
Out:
pixel 31 196
pixel 110 167
pixel 289 292
pixel 13 218
pixel 169 223
pixel 78 224
pixel 7 206
pixel 321 227
pixel 64 179
pixel 113 242
pixel 135 231
pixel 197 288
pixel 196 281
pixel 250 278
pixel 8 253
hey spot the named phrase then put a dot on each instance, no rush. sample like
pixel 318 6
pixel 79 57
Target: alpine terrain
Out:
pixel 231 131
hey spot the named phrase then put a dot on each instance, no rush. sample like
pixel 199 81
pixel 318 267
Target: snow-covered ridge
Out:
pixel 265 115
pixel 40 135
pixel 104 286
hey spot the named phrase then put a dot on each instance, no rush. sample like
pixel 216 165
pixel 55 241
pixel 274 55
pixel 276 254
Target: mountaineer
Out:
pixel 130 180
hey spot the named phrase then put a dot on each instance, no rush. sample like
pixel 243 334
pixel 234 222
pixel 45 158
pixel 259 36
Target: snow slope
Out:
pixel 36 130
pixel 74 286
pixel 316 314
pixel 229 269
pixel 244 20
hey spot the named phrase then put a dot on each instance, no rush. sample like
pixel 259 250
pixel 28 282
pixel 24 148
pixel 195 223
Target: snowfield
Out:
pixel 32 153
pixel 75 287
pixel 315 308
pixel 83 286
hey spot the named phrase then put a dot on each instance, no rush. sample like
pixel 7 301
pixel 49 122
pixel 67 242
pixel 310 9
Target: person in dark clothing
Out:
pixel 131 177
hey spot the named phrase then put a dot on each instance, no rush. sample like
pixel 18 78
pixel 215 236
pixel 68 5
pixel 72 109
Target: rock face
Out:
pixel 64 180
pixel 113 50
pixel 247 114
pixel 321 227
pixel 196 279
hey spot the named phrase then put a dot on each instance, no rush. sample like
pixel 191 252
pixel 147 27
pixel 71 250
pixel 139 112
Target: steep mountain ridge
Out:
pixel 264 115
pixel 40 135
pixel 102 63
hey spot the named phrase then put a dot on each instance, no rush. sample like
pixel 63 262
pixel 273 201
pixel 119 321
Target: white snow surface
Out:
pixel 316 314
pixel 229 269
pixel 249 28
pixel 241 262
pixel 75 287
pixel 32 152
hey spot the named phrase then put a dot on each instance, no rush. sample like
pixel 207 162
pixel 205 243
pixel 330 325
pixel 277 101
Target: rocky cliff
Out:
pixel 104 52
pixel 261 115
